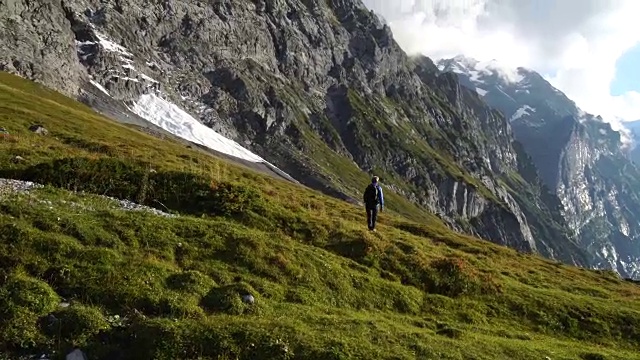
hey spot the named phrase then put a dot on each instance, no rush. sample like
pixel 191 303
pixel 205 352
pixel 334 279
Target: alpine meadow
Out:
pixel 184 180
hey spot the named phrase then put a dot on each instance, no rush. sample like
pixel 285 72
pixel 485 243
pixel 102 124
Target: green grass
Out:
pixel 143 286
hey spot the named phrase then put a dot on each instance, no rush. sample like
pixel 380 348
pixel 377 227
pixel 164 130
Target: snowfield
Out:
pixel 167 115
pixel 178 122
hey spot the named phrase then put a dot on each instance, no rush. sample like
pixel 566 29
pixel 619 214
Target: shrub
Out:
pixel 19 329
pixel 103 176
pixel 23 301
pixel 455 277
pixel 76 325
pixel 28 293
pixel 233 199
pixel 88 145
pixel 593 356
pixel 190 282
pixel 135 181
pixel 356 248
pixel 228 299
pixel 448 331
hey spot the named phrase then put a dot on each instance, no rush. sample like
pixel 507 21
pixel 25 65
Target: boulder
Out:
pixel 38 129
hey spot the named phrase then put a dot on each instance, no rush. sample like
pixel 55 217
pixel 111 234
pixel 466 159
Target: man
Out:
pixel 372 197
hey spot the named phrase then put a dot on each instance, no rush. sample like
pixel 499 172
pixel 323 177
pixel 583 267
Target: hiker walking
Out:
pixel 372 197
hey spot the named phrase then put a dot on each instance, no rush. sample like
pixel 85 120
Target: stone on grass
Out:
pixel 38 129
pixel 248 299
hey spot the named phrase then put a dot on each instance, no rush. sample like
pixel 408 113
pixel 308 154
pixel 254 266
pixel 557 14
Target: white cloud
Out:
pixel 574 43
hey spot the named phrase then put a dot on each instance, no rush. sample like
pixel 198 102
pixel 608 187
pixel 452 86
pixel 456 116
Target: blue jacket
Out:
pixel 380 195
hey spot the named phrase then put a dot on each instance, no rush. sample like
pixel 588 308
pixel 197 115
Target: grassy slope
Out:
pixel 340 172
pixel 325 288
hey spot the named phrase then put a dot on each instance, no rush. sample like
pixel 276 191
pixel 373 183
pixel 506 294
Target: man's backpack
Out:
pixel 371 195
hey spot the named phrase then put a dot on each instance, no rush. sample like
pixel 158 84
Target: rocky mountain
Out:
pixel 318 90
pixel 578 155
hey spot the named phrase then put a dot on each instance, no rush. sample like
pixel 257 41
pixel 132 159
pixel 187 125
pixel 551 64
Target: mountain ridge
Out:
pixel 579 155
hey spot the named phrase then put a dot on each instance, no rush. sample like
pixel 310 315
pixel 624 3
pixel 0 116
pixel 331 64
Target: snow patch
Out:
pixel 125 78
pixel 525 110
pixel 610 255
pixel 83 43
pixel 178 122
pixel 481 92
pixel 100 87
pixel 475 69
pixel 111 46
pixel 474 76
pixel 150 79
pixel 125 56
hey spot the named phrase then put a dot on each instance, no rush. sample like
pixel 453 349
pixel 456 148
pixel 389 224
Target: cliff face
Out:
pixel 35 42
pixel 578 156
pixel 318 88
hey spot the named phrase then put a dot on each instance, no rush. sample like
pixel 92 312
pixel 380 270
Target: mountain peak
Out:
pixel 478 70
pixel 520 91
pixel 512 87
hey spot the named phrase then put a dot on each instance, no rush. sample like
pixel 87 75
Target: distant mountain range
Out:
pixel 578 156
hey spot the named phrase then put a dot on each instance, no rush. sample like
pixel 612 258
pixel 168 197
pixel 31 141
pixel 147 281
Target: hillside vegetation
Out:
pixel 77 270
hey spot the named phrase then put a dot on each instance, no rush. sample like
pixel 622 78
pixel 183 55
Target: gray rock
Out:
pixel 36 42
pixel 38 129
pixel 248 299
pixel 9 186
pixel 76 354
pixel 131 206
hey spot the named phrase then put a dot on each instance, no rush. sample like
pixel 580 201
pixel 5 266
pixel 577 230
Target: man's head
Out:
pixel 374 180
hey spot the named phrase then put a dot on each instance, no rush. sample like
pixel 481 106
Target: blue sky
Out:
pixel 627 73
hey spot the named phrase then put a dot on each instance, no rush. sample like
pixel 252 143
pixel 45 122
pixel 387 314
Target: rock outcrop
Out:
pixel 36 43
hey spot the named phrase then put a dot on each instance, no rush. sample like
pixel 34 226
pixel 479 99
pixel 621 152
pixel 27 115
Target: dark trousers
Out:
pixel 372 216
